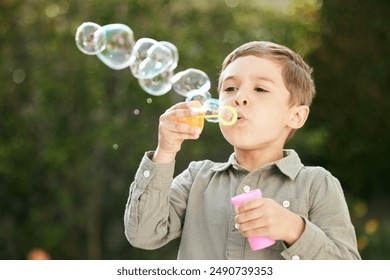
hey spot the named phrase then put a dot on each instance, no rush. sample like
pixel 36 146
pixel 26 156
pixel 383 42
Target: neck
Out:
pixel 254 159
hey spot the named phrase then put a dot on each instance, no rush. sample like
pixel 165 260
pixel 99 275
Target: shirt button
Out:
pixel 146 173
pixel 247 189
pixel 286 204
pixel 295 258
pixel 237 226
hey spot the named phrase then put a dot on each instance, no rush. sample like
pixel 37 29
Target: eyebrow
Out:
pixel 261 78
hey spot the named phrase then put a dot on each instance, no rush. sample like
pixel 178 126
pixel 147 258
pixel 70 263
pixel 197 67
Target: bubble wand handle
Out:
pixel 256 242
pixel 207 116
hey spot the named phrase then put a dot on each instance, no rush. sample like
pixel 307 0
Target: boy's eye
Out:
pixel 259 89
pixel 230 89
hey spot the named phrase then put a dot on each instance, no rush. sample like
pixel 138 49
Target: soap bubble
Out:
pixel 151 58
pixel 200 96
pixel 175 54
pixel 88 40
pixel 119 44
pixel 190 79
pixel 211 109
pixel 139 54
pixel 158 60
pixel 158 85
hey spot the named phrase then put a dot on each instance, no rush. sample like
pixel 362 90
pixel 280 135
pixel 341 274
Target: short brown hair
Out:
pixel 296 73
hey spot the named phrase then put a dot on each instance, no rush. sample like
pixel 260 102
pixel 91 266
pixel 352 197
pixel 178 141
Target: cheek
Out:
pixel 228 133
pixel 226 99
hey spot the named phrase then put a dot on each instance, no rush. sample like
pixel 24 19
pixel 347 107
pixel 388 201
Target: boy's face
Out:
pixel 255 88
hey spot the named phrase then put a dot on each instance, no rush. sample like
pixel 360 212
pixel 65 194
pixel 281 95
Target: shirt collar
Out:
pixel 219 167
pixel 289 165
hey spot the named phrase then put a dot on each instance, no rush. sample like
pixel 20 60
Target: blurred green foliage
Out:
pixel 72 131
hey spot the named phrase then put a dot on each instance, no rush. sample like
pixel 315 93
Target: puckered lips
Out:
pixel 240 117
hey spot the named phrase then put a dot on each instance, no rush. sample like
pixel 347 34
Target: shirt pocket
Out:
pixel 295 205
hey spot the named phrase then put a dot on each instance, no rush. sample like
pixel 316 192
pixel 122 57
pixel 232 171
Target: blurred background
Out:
pixel 73 131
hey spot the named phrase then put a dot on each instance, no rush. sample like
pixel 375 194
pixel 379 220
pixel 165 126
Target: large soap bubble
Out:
pixel 174 54
pixel 158 60
pixel 190 79
pixel 139 54
pixel 158 85
pixel 119 44
pixel 150 58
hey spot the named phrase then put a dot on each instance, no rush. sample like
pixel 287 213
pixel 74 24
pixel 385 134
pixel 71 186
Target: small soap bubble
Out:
pixel 136 112
pixel 158 85
pixel 115 146
pixel 211 109
pixel 88 41
pixel 149 100
pixel 119 45
pixel 190 79
pixel 201 96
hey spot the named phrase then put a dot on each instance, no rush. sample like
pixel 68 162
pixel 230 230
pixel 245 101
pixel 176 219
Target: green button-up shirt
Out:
pixel 196 206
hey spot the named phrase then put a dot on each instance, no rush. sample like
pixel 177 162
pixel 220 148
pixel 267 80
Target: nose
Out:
pixel 240 99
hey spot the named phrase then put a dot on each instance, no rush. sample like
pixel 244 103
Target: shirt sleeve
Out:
pixel 150 220
pixel 329 233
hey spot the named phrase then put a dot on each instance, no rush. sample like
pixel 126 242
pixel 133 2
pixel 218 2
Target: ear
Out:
pixel 299 116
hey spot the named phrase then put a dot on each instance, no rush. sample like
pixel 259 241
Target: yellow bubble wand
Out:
pixel 232 120
pixel 198 120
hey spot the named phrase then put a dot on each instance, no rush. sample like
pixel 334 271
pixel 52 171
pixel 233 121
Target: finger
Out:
pixel 180 131
pixel 177 114
pixel 259 231
pixel 251 225
pixel 184 105
pixel 249 215
pixel 181 128
pixel 250 204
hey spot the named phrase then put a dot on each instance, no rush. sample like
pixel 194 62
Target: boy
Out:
pixel 303 208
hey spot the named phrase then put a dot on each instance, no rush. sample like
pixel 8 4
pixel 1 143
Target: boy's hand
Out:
pixel 172 132
pixel 265 217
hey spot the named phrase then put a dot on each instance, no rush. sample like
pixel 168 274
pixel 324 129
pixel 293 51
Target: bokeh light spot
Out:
pixel 371 226
pixel 232 3
pixel 52 10
pixel 362 242
pixel 360 209
pixel 18 76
